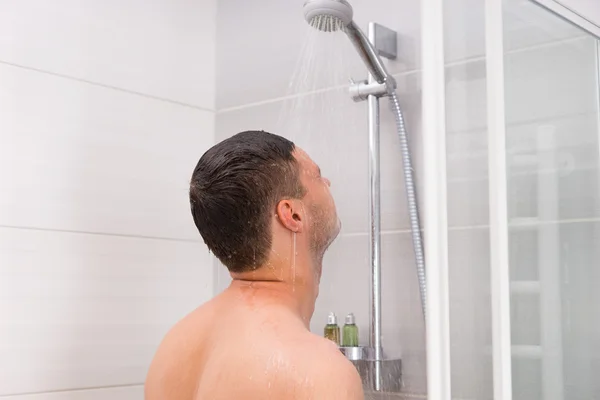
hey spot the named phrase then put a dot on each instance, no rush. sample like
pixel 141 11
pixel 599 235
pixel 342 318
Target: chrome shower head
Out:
pixel 335 15
pixel 328 15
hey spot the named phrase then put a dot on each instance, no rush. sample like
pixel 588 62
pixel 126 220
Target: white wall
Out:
pixel 106 108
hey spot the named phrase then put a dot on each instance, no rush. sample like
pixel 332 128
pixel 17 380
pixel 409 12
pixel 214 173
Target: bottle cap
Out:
pixel 331 319
pixel 350 319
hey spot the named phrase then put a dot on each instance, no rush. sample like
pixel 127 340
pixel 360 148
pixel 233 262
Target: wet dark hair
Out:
pixel 234 192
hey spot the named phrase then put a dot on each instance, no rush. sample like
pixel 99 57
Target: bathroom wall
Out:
pixel 106 107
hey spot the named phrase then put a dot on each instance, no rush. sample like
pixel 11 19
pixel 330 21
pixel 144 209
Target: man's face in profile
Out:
pixel 324 224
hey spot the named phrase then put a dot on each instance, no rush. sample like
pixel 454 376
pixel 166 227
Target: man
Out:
pixel 264 210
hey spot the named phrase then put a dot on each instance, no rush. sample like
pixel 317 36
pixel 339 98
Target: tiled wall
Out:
pixel 106 107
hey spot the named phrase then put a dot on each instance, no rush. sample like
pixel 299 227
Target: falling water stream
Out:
pixel 317 107
pixel 319 115
pixel 321 118
pixel 317 111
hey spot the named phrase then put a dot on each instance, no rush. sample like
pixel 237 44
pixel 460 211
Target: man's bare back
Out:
pixel 243 345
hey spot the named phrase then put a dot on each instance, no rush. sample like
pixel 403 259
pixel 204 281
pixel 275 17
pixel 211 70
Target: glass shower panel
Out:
pixel 553 173
pixel 468 205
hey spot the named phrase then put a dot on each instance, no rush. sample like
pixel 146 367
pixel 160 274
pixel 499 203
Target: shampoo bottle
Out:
pixel 350 338
pixel 332 330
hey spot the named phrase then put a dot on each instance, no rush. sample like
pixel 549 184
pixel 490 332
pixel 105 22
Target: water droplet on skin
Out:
pixel 294 262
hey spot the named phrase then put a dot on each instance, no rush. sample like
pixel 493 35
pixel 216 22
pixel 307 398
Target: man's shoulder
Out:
pixel 323 352
pixel 316 362
pixel 319 347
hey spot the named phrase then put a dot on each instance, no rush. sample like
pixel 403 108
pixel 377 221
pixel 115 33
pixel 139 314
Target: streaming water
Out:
pixel 317 109
pixel 319 115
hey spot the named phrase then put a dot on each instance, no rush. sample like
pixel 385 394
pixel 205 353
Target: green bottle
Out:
pixel 350 338
pixel 332 330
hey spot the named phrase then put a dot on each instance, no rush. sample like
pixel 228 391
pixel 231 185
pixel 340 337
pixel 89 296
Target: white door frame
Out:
pixel 571 15
pixel 435 205
pixel 498 198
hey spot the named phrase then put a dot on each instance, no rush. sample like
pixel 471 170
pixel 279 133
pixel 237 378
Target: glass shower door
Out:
pixel 553 201
pixel 524 318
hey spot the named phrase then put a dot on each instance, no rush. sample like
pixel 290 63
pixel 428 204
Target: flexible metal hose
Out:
pixel 413 207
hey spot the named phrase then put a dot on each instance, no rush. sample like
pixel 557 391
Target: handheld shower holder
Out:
pixel 360 91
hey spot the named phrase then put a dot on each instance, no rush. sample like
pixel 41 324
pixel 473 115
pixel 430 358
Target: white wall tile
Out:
pixel 525 24
pixel 222 279
pixel 470 308
pixel 80 157
pixel 551 81
pixel 164 49
pixel 119 393
pixel 544 82
pixel 81 310
pixel 576 168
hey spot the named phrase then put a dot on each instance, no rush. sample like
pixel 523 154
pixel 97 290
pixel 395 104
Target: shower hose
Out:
pixel 413 208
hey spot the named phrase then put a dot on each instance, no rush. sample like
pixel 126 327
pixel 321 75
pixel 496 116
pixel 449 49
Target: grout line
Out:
pixel 281 98
pixel 402 74
pixel 512 223
pixel 516 223
pixel 82 232
pixel 304 94
pixel 532 222
pixel 481 179
pixel 126 385
pixel 525 49
pixel 517 124
pixel 105 86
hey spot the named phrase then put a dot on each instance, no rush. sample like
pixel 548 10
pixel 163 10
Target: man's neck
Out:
pixel 294 287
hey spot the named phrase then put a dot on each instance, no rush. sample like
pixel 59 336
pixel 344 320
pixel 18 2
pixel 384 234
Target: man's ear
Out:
pixel 290 214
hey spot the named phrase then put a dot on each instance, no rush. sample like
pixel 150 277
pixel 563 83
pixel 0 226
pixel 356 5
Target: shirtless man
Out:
pixel 264 210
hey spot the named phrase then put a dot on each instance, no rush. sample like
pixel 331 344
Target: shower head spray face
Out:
pixel 328 15
pixel 336 15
